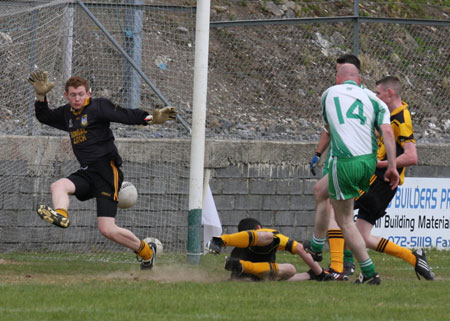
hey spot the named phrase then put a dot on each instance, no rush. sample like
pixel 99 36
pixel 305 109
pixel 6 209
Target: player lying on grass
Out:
pixel 87 120
pixel 254 255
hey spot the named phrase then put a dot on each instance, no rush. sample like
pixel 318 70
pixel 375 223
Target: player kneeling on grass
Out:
pixel 255 250
pixel 88 122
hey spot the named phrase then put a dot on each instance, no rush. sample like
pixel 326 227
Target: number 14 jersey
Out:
pixel 353 115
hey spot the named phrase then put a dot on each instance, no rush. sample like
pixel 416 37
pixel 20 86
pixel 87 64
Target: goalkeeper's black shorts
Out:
pixel 101 180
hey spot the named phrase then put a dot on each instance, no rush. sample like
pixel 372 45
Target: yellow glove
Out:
pixel 39 81
pixel 160 116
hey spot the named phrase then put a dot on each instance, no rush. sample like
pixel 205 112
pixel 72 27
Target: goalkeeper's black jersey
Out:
pixel 89 128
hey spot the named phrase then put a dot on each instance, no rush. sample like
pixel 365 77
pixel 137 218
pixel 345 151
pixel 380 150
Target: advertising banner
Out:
pixel 418 215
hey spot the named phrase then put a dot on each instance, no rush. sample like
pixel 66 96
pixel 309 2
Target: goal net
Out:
pixel 61 38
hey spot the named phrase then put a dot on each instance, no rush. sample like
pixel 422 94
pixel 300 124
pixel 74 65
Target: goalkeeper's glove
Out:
pixel 39 81
pixel 313 163
pixel 160 116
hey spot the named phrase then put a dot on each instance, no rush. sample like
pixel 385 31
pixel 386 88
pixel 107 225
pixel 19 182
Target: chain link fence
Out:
pixel 270 72
pixel 269 61
pixel 60 37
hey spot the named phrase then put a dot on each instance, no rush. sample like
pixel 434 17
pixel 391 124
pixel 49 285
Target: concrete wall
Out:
pixel 266 180
pixel 28 166
pixel 271 181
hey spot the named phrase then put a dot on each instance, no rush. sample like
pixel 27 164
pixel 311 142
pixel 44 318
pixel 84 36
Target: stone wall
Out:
pixel 266 180
pixel 271 181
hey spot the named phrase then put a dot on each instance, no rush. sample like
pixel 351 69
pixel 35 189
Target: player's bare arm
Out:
pixel 391 174
pixel 408 158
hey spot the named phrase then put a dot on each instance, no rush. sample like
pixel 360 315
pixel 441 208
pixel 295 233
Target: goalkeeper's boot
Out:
pixel 373 280
pixel 234 265
pixel 50 215
pixel 349 268
pixel 215 245
pixel 336 276
pixel 422 266
pixel 148 264
pixel 317 256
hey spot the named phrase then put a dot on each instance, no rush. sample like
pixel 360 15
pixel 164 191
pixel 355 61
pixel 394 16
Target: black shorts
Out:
pixel 101 180
pixel 372 205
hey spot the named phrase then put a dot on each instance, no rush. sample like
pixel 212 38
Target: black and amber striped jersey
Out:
pixel 89 128
pixel 403 132
pixel 266 253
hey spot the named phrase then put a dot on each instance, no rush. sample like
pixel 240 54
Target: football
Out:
pixel 159 246
pixel 127 195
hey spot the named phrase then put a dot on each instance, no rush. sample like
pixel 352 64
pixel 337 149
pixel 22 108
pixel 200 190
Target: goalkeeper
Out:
pixel 87 120
pixel 254 254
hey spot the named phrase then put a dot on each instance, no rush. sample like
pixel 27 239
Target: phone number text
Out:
pixel 420 241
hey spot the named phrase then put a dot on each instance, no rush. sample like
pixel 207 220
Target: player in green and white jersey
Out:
pixel 351 117
pixel 341 265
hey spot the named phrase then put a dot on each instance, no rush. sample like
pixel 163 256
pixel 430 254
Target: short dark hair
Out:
pixel 248 224
pixel 391 82
pixel 76 82
pixel 349 59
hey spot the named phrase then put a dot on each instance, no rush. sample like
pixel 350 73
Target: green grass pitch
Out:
pixel 39 288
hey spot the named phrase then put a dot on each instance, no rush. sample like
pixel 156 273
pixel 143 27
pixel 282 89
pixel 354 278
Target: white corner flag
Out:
pixel 210 217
